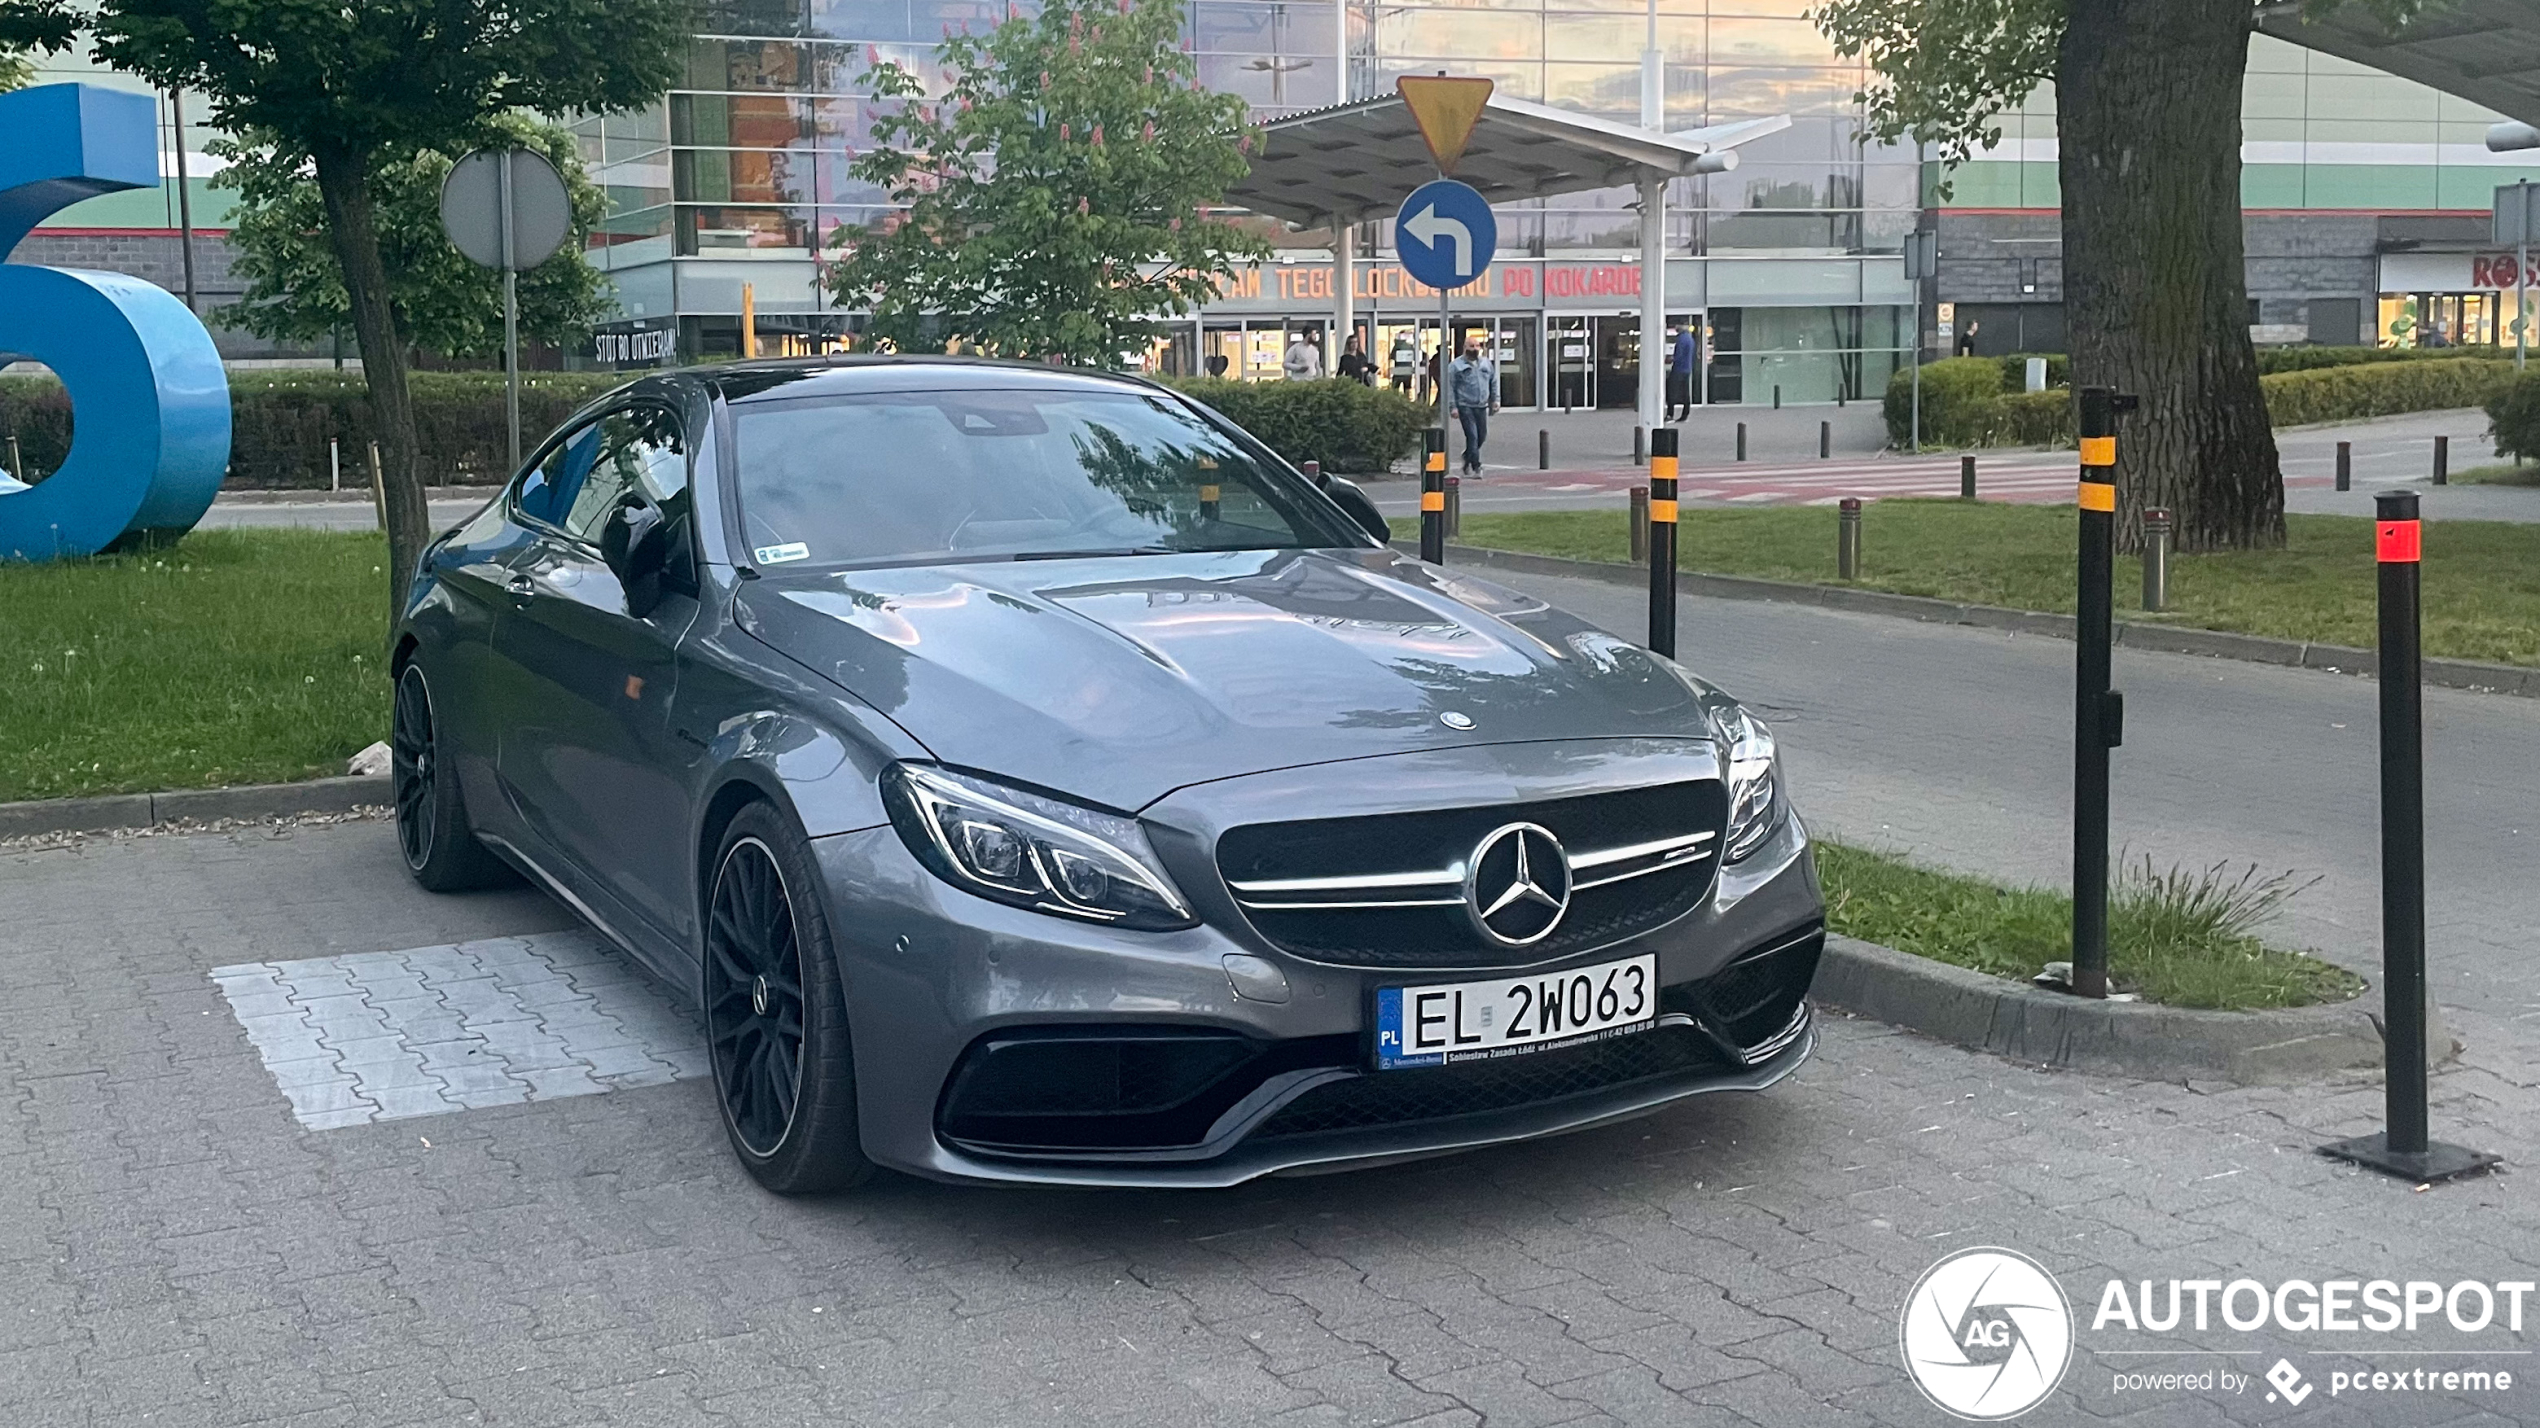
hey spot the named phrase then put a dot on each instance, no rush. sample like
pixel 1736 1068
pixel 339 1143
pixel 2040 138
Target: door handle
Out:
pixel 521 586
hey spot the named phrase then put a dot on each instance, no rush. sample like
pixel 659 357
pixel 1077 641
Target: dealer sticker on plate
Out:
pixel 1511 1016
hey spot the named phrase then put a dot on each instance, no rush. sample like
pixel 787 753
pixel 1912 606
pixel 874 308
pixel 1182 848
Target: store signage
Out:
pixel 2496 270
pixel 1591 280
pixel 646 347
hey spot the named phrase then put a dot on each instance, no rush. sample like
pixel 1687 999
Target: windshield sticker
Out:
pixel 779 554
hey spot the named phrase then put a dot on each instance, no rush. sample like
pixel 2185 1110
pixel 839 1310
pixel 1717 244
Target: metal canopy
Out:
pixel 1358 160
pixel 2485 51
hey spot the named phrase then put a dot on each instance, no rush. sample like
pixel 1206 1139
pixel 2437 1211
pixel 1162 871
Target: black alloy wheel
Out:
pixel 754 997
pixel 776 1012
pixel 411 766
pixel 432 826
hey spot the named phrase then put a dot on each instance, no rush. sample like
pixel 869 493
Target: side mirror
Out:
pixel 1360 506
pixel 636 545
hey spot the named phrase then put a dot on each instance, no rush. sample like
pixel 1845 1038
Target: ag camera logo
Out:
pixel 1987 1334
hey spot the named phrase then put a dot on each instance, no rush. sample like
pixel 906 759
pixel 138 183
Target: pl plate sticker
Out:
pixel 779 554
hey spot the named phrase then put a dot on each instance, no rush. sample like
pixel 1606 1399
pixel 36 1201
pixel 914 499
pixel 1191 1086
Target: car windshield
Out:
pixel 918 478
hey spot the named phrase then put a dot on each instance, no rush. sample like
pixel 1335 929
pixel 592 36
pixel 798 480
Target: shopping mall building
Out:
pixel 2366 193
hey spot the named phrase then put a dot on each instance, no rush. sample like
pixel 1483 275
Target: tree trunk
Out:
pixel 2156 299
pixel 342 183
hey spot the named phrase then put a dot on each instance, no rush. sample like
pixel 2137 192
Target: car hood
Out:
pixel 1121 679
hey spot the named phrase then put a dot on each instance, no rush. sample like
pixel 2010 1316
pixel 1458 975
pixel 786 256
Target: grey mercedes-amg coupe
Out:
pixel 1032 778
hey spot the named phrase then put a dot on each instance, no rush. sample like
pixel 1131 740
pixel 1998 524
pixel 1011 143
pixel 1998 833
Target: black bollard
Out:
pixel 1543 449
pixel 2345 466
pixel 2403 1149
pixel 1640 524
pixel 1825 440
pixel 1433 495
pixel 2098 711
pixel 1640 446
pixel 2442 461
pixel 1741 441
pixel 1662 541
pixel 1966 478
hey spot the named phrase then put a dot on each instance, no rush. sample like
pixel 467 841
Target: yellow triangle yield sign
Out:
pixel 1445 109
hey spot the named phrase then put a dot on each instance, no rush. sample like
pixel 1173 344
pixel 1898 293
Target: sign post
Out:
pixel 2403 1149
pixel 2514 212
pixel 1922 262
pixel 507 209
pixel 1445 233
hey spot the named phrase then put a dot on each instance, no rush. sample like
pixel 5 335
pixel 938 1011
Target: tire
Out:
pixel 776 1013
pixel 432 829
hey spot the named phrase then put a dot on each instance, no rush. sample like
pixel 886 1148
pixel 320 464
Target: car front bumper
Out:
pixel 931 971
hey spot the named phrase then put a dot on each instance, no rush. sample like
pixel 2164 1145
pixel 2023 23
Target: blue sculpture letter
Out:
pixel 149 401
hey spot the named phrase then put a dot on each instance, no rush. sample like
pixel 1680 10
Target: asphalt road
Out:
pixel 1954 745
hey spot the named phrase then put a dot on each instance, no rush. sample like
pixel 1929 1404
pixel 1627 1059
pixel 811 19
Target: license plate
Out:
pixel 1511 1016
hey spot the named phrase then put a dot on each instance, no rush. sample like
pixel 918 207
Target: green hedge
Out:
pixel 2514 412
pixel 1959 395
pixel 2272 360
pixel 282 420
pixel 1963 404
pixel 2382 389
pixel 1346 426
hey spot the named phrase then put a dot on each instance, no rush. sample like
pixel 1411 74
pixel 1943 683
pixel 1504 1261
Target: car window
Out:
pixel 906 478
pixel 637 449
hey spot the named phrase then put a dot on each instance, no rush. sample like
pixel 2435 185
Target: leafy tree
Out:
pixel 443 302
pixel 15 70
pixel 1055 192
pixel 352 84
pixel 2147 101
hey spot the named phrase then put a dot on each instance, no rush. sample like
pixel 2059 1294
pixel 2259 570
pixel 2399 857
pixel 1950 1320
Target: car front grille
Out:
pixel 1435 1093
pixel 1388 890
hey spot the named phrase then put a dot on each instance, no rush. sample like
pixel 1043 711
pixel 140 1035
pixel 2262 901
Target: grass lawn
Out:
pixel 2482 578
pixel 2182 940
pixel 232 657
pixel 2501 473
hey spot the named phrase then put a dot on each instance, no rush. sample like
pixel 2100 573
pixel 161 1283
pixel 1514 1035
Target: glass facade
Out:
pixel 2317 132
pixel 733 181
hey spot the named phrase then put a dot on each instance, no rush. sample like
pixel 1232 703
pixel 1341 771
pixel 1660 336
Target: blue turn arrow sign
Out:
pixel 1445 234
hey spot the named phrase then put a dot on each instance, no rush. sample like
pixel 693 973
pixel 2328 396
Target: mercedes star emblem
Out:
pixel 1454 720
pixel 1518 885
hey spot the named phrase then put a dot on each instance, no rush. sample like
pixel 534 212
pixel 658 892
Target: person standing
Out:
pixel 1304 361
pixel 1681 355
pixel 1406 361
pixel 1967 339
pixel 1354 364
pixel 1474 395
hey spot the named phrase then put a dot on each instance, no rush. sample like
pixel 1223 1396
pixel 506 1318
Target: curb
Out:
pixel 2131 1039
pixel 251 803
pixel 2167 639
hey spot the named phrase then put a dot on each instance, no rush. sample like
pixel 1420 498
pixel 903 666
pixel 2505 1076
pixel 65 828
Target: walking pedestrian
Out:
pixel 1406 361
pixel 1681 356
pixel 1474 395
pixel 1354 364
pixel 1304 360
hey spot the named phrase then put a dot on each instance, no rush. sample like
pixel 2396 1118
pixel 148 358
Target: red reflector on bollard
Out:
pixel 2397 542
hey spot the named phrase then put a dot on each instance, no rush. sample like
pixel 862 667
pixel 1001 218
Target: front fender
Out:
pixel 831 784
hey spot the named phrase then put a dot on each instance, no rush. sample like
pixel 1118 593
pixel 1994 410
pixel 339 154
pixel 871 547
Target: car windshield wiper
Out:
pixel 1096 554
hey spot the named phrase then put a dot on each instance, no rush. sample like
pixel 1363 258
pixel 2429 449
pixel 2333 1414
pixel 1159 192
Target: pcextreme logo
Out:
pixel 1987 1334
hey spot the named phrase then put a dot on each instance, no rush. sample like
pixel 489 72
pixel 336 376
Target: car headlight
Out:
pixel 1755 802
pixel 1032 851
